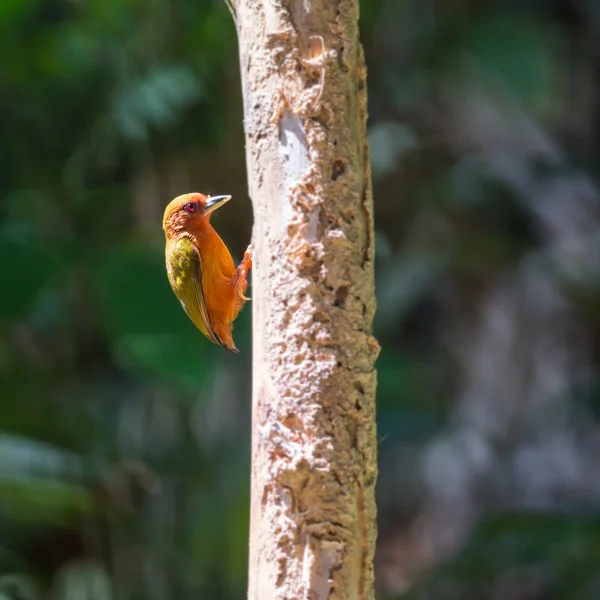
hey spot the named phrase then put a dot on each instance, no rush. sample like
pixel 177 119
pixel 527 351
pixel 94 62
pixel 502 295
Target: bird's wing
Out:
pixel 186 279
pixel 200 299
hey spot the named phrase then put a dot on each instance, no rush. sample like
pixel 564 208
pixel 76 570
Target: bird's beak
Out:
pixel 214 202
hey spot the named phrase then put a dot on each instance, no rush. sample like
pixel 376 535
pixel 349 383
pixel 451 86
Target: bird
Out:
pixel 200 268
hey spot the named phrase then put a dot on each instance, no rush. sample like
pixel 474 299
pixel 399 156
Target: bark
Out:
pixel 313 516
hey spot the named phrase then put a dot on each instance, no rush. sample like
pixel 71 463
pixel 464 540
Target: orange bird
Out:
pixel 200 268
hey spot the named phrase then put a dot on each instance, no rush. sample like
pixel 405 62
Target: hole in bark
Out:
pixel 340 296
pixel 338 169
pixel 351 429
pixel 342 52
pixel 364 310
pixel 339 364
pixel 265 495
pixel 358 386
pixel 314 79
pixel 292 422
pixel 281 572
pixel 320 317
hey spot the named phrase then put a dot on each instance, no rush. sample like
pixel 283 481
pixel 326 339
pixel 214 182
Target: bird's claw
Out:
pixel 248 257
pixel 242 272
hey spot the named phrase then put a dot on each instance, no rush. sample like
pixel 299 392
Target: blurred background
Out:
pixel 124 434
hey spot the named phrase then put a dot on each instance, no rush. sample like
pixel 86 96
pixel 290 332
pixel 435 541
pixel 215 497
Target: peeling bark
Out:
pixel 313 516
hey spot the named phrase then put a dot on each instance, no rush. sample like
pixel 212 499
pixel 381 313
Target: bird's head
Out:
pixel 190 211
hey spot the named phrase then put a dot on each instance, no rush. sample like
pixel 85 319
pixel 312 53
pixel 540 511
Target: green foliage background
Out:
pixel 124 434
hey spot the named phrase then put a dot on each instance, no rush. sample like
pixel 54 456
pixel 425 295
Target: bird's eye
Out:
pixel 190 207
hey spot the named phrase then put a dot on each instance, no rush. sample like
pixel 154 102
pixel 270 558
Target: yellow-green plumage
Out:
pixel 184 269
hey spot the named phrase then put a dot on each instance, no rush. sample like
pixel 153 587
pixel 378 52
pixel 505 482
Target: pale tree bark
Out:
pixel 313 516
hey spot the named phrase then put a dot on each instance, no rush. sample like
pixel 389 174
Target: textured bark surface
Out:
pixel 313 516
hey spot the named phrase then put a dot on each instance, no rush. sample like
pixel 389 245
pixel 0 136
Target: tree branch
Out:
pixel 314 443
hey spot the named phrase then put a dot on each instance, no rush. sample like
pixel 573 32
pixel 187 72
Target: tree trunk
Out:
pixel 313 515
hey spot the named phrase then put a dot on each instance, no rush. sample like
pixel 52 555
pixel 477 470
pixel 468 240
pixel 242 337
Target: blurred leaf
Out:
pixel 174 357
pixel 49 500
pixel 389 142
pixel 25 268
pixel 18 587
pixel 554 553
pixel 84 580
pixel 209 538
pixel 402 282
pixel 520 53
pixel 10 561
pixel 408 406
pixel 11 10
pixel 155 100
pixel 22 457
pixel 30 409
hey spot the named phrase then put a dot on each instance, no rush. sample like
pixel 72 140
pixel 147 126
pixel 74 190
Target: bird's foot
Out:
pixel 247 260
pixel 242 272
